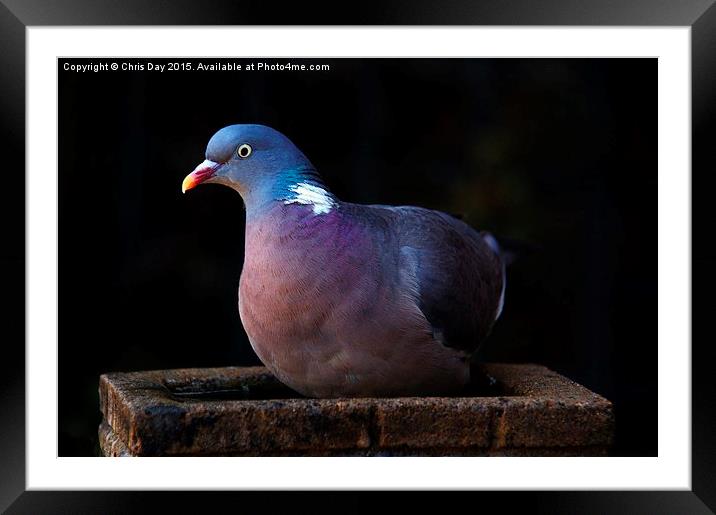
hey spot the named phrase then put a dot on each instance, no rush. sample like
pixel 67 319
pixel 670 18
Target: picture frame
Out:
pixel 16 16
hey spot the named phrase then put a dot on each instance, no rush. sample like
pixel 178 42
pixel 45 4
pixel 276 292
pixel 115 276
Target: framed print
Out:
pixel 539 140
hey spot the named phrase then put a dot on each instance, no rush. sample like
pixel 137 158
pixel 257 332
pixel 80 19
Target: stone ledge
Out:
pixel 235 411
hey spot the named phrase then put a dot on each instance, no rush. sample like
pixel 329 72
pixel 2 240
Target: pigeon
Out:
pixel 348 300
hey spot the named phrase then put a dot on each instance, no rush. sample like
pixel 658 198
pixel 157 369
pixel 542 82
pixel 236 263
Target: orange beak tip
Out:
pixel 186 184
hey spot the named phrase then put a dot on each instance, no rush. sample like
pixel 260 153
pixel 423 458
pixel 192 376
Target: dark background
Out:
pixel 560 153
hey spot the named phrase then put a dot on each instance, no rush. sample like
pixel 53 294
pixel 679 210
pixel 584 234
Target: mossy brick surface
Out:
pixel 245 411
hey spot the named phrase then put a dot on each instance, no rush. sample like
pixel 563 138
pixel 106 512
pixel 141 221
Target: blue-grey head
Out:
pixel 257 161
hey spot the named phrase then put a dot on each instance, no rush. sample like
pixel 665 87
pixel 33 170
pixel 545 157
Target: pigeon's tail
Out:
pixel 495 246
pixel 508 249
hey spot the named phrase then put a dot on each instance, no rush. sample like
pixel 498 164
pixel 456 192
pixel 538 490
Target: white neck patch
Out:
pixel 311 195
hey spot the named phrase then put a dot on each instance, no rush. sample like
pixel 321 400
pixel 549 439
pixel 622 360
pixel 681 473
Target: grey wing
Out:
pixel 459 275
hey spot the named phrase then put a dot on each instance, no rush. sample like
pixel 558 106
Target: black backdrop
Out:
pixel 560 153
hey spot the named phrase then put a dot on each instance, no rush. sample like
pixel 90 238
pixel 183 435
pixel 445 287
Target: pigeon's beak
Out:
pixel 201 173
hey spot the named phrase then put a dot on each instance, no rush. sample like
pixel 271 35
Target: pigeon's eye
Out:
pixel 244 151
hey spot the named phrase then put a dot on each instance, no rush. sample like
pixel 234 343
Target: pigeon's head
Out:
pixel 251 159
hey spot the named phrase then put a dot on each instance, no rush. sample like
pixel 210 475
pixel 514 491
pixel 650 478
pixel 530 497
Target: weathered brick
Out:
pixel 245 411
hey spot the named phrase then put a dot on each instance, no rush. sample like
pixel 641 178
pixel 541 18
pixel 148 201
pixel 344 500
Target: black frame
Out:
pixel 16 15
